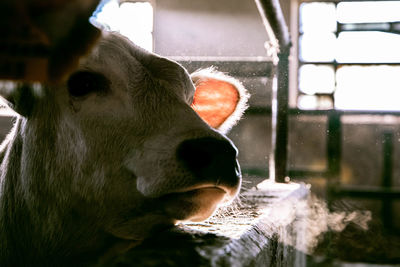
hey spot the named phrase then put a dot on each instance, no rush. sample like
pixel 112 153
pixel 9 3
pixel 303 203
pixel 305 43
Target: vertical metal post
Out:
pixel 281 115
pixel 277 30
pixel 333 153
pixel 387 177
pixel 334 144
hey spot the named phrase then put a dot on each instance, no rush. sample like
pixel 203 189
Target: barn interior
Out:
pixel 323 122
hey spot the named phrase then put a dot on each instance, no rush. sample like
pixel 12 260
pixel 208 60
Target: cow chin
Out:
pixel 196 204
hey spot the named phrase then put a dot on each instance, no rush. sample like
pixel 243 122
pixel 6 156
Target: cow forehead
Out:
pixel 113 59
pixel 121 61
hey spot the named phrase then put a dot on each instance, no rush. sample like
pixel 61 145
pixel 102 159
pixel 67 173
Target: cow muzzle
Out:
pixel 217 178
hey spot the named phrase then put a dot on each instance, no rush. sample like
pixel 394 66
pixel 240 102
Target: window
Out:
pixel 133 19
pixel 349 55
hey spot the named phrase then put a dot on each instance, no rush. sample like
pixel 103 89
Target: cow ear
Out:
pixel 20 97
pixel 219 100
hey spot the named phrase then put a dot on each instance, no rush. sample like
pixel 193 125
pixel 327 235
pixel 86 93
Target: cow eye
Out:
pixel 82 83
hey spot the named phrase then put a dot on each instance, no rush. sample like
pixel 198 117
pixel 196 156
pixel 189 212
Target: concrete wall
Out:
pixel 208 28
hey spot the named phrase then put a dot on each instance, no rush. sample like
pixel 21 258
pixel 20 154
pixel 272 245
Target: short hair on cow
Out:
pixel 116 153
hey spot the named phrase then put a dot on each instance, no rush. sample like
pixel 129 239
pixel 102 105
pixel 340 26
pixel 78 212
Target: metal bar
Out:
pixel 299 112
pixel 245 67
pixel 333 154
pixel 349 63
pixel 387 205
pixel 281 115
pixel 277 30
pixel 334 144
pixel 272 16
pixel 365 192
pixel 343 112
pixel 389 27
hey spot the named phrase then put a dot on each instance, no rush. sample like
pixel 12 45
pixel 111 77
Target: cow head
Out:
pixel 131 142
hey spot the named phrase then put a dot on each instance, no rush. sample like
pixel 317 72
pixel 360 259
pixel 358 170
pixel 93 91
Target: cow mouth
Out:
pixel 196 203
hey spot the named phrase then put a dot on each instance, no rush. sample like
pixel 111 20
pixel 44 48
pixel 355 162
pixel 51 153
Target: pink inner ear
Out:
pixel 215 100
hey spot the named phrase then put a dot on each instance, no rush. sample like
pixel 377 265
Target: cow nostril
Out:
pixel 196 157
pixel 209 158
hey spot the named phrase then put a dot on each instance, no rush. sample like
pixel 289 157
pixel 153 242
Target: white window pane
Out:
pixel 362 12
pixel 317 47
pixel 368 88
pixel 132 19
pixel 140 13
pixel 309 102
pixel 316 79
pixel 365 47
pixel 317 17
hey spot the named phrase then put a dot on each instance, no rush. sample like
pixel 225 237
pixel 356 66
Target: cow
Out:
pixel 129 145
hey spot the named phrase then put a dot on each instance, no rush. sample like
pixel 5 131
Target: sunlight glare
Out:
pixel 366 47
pixel 316 79
pixel 375 87
pixel 133 20
pixel 368 12
pixel 368 88
pixel 317 17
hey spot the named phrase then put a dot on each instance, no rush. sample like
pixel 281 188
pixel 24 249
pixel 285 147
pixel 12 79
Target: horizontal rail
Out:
pixel 349 63
pixel 389 27
pixel 344 112
pixel 240 67
pixel 365 192
pixel 268 111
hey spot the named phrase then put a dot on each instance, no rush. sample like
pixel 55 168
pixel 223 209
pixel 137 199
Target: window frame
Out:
pixel 296 62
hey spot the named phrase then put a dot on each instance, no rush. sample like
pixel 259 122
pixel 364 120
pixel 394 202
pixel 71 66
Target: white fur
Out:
pixel 77 170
